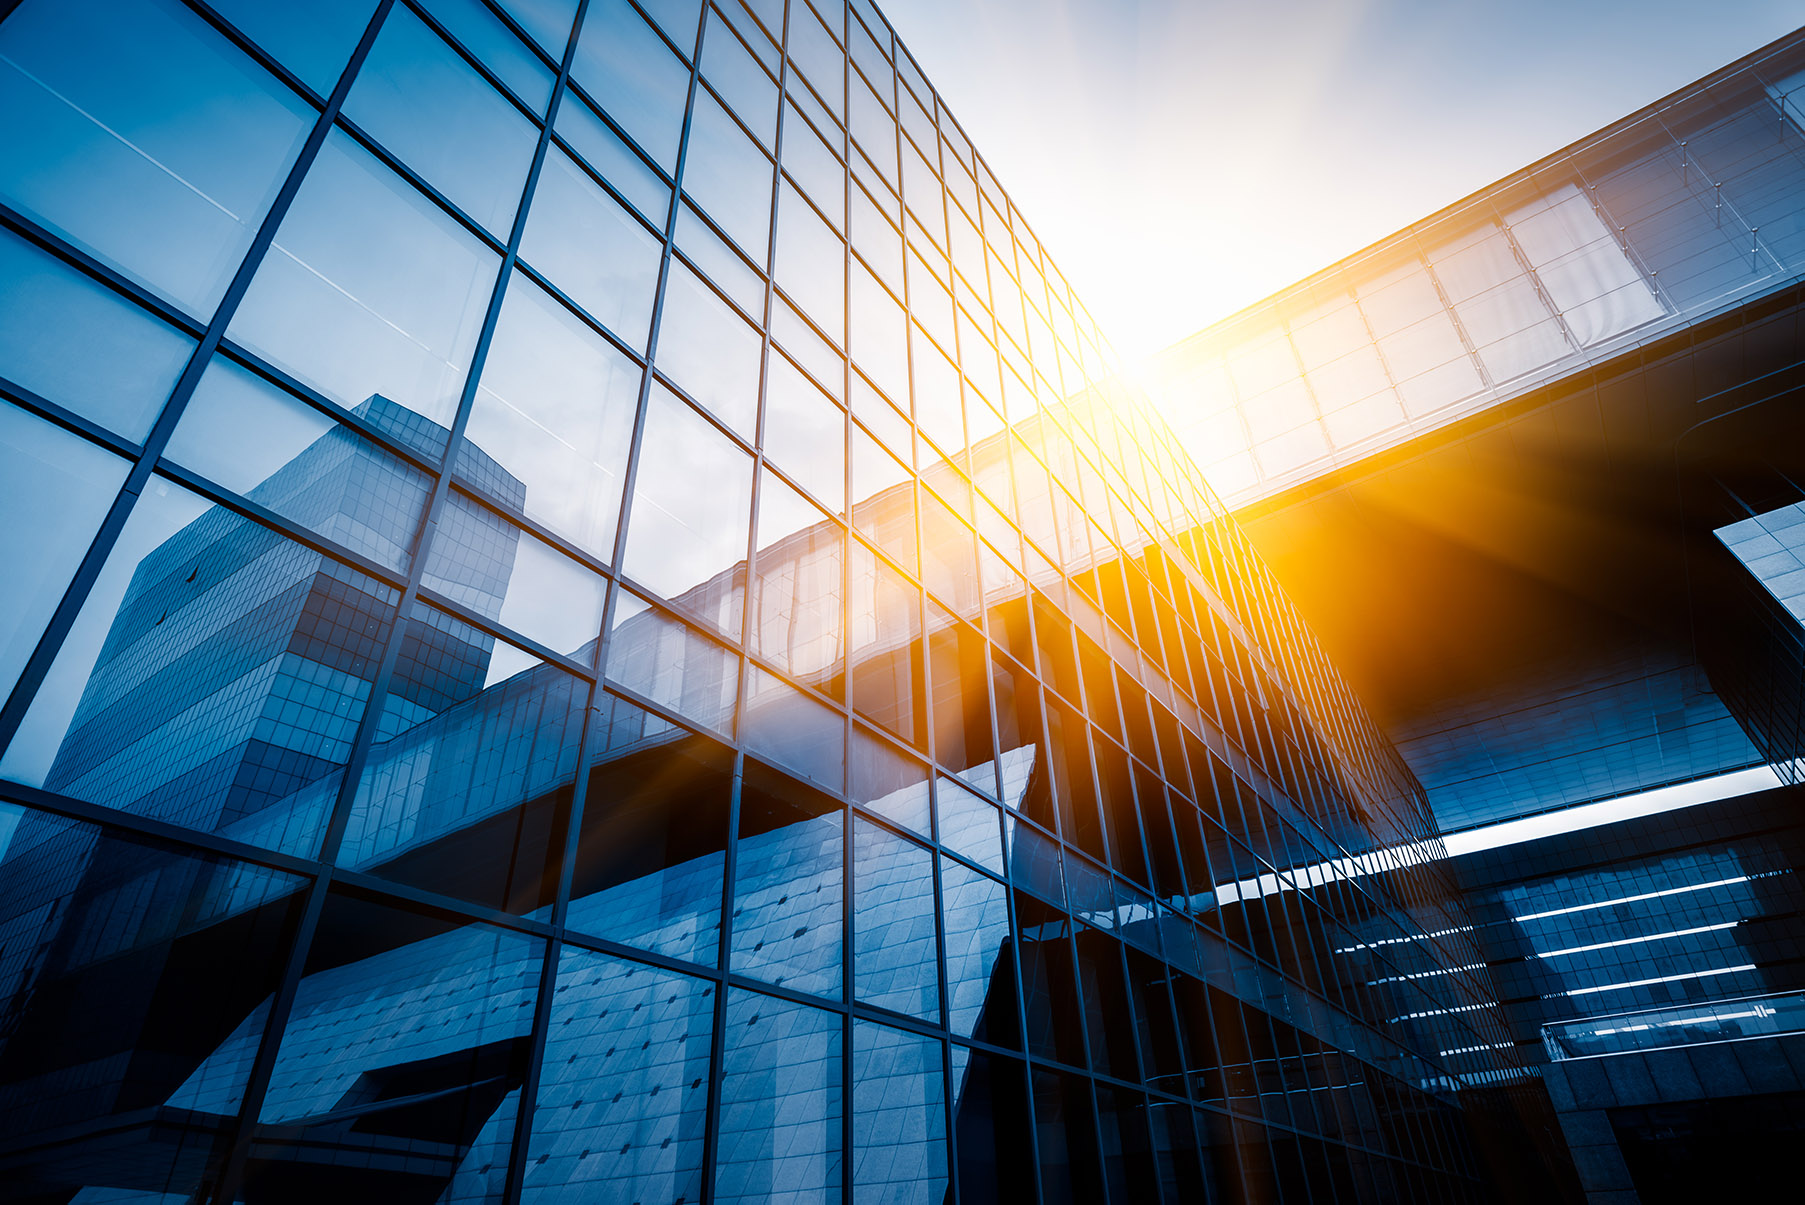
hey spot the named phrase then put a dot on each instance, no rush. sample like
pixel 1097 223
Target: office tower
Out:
pixel 1531 467
pixel 590 621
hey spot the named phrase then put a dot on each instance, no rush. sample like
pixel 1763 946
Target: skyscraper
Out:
pixel 592 622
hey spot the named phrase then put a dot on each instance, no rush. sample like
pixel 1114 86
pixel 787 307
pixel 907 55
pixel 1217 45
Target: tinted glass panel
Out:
pixel 139 132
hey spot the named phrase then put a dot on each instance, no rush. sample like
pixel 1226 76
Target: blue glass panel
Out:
pixel 370 289
pixel 429 109
pixel 788 927
pixel 634 76
pixel 136 130
pixel 588 245
pixel 553 420
pixel 215 677
pixel 624 1094
pixel 692 500
pixel 54 490
pixel 78 343
pixel 779 1134
pixel 894 945
pixel 651 855
pixel 898 1117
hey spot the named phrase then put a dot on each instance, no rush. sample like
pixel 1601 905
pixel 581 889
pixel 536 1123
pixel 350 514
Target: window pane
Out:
pixel 433 112
pixel 736 75
pixel 652 850
pixel 472 23
pixel 779 1136
pixel 787 923
pixel 729 177
pixel 709 350
pixel 141 134
pixel 813 166
pixel 584 242
pixel 811 264
pixel 634 76
pixel 792 729
pixel 886 647
pixel 624 1094
pixel 889 782
pixel 980 974
pixel 894 946
pixel 968 825
pixel 397 1004
pixel 74 341
pixel 553 419
pixel 898 1117
pixel 805 433
pixel 692 501
pixel 796 592
pixel 241 432
pixel 465 789
pixel 486 563
pixel 214 679
pixel 370 288
pixel 673 664
pixel 109 1075
pixel 55 488
pixel 624 170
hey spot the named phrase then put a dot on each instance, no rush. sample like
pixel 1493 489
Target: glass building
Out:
pixel 588 621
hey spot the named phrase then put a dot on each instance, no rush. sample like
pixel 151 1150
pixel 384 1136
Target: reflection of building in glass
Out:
pixel 1532 467
pixel 651 657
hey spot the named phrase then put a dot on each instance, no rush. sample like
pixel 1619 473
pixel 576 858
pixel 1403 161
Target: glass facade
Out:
pixel 589 622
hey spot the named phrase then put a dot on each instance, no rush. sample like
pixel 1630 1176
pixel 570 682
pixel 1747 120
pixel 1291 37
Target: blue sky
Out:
pixel 1184 159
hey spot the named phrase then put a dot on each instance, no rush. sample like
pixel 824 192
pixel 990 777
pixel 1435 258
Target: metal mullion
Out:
pixel 473 492
pixel 54 244
pixel 564 661
pixel 76 595
pixel 451 908
pixel 100 815
pixel 470 56
pixel 307 395
pixel 397 165
pixel 626 139
pixel 252 50
pixel 717 1036
pixel 595 324
pixel 68 420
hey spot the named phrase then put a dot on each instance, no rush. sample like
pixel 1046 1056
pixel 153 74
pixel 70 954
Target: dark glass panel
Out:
pixel 991 1121
pixel 136 975
pixel 788 926
pixel 401 1066
pixel 1065 1130
pixel 467 794
pixel 652 847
